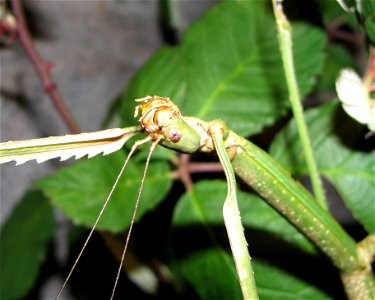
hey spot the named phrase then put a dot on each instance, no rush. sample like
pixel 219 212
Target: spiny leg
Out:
pixel 152 148
pixel 134 147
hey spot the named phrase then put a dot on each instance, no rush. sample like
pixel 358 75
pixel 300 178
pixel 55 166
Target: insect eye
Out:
pixel 175 135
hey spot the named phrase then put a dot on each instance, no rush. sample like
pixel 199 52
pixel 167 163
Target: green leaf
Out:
pixel 332 12
pixel 234 66
pixel 338 58
pixel 204 205
pixel 334 136
pixel 215 266
pixel 370 28
pixel 23 245
pixel 368 15
pixel 228 66
pixel 81 189
pixel 162 75
pixel 283 285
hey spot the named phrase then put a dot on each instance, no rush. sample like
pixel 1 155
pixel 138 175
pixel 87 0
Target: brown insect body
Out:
pixel 157 114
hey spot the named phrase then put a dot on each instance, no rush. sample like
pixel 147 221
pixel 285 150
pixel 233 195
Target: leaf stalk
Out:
pixel 285 42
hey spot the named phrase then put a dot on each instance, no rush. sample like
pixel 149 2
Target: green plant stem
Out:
pixel 232 220
pixel 285 42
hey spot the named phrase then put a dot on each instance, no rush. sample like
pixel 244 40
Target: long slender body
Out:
pixel 292 200
pixel 276 186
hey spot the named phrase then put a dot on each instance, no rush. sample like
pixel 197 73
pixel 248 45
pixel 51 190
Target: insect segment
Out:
pixel 161 118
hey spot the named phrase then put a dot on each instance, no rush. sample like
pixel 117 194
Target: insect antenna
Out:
pixel 152 148
pixel 134 147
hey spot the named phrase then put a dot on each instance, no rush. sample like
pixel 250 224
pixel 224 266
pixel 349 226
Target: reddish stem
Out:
pixel 185 168
pixel 335 32
pixel 183 171
pixel 42 68
pixel 204 167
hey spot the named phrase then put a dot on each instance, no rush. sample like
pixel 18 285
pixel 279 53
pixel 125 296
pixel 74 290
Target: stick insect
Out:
pixel 163 123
